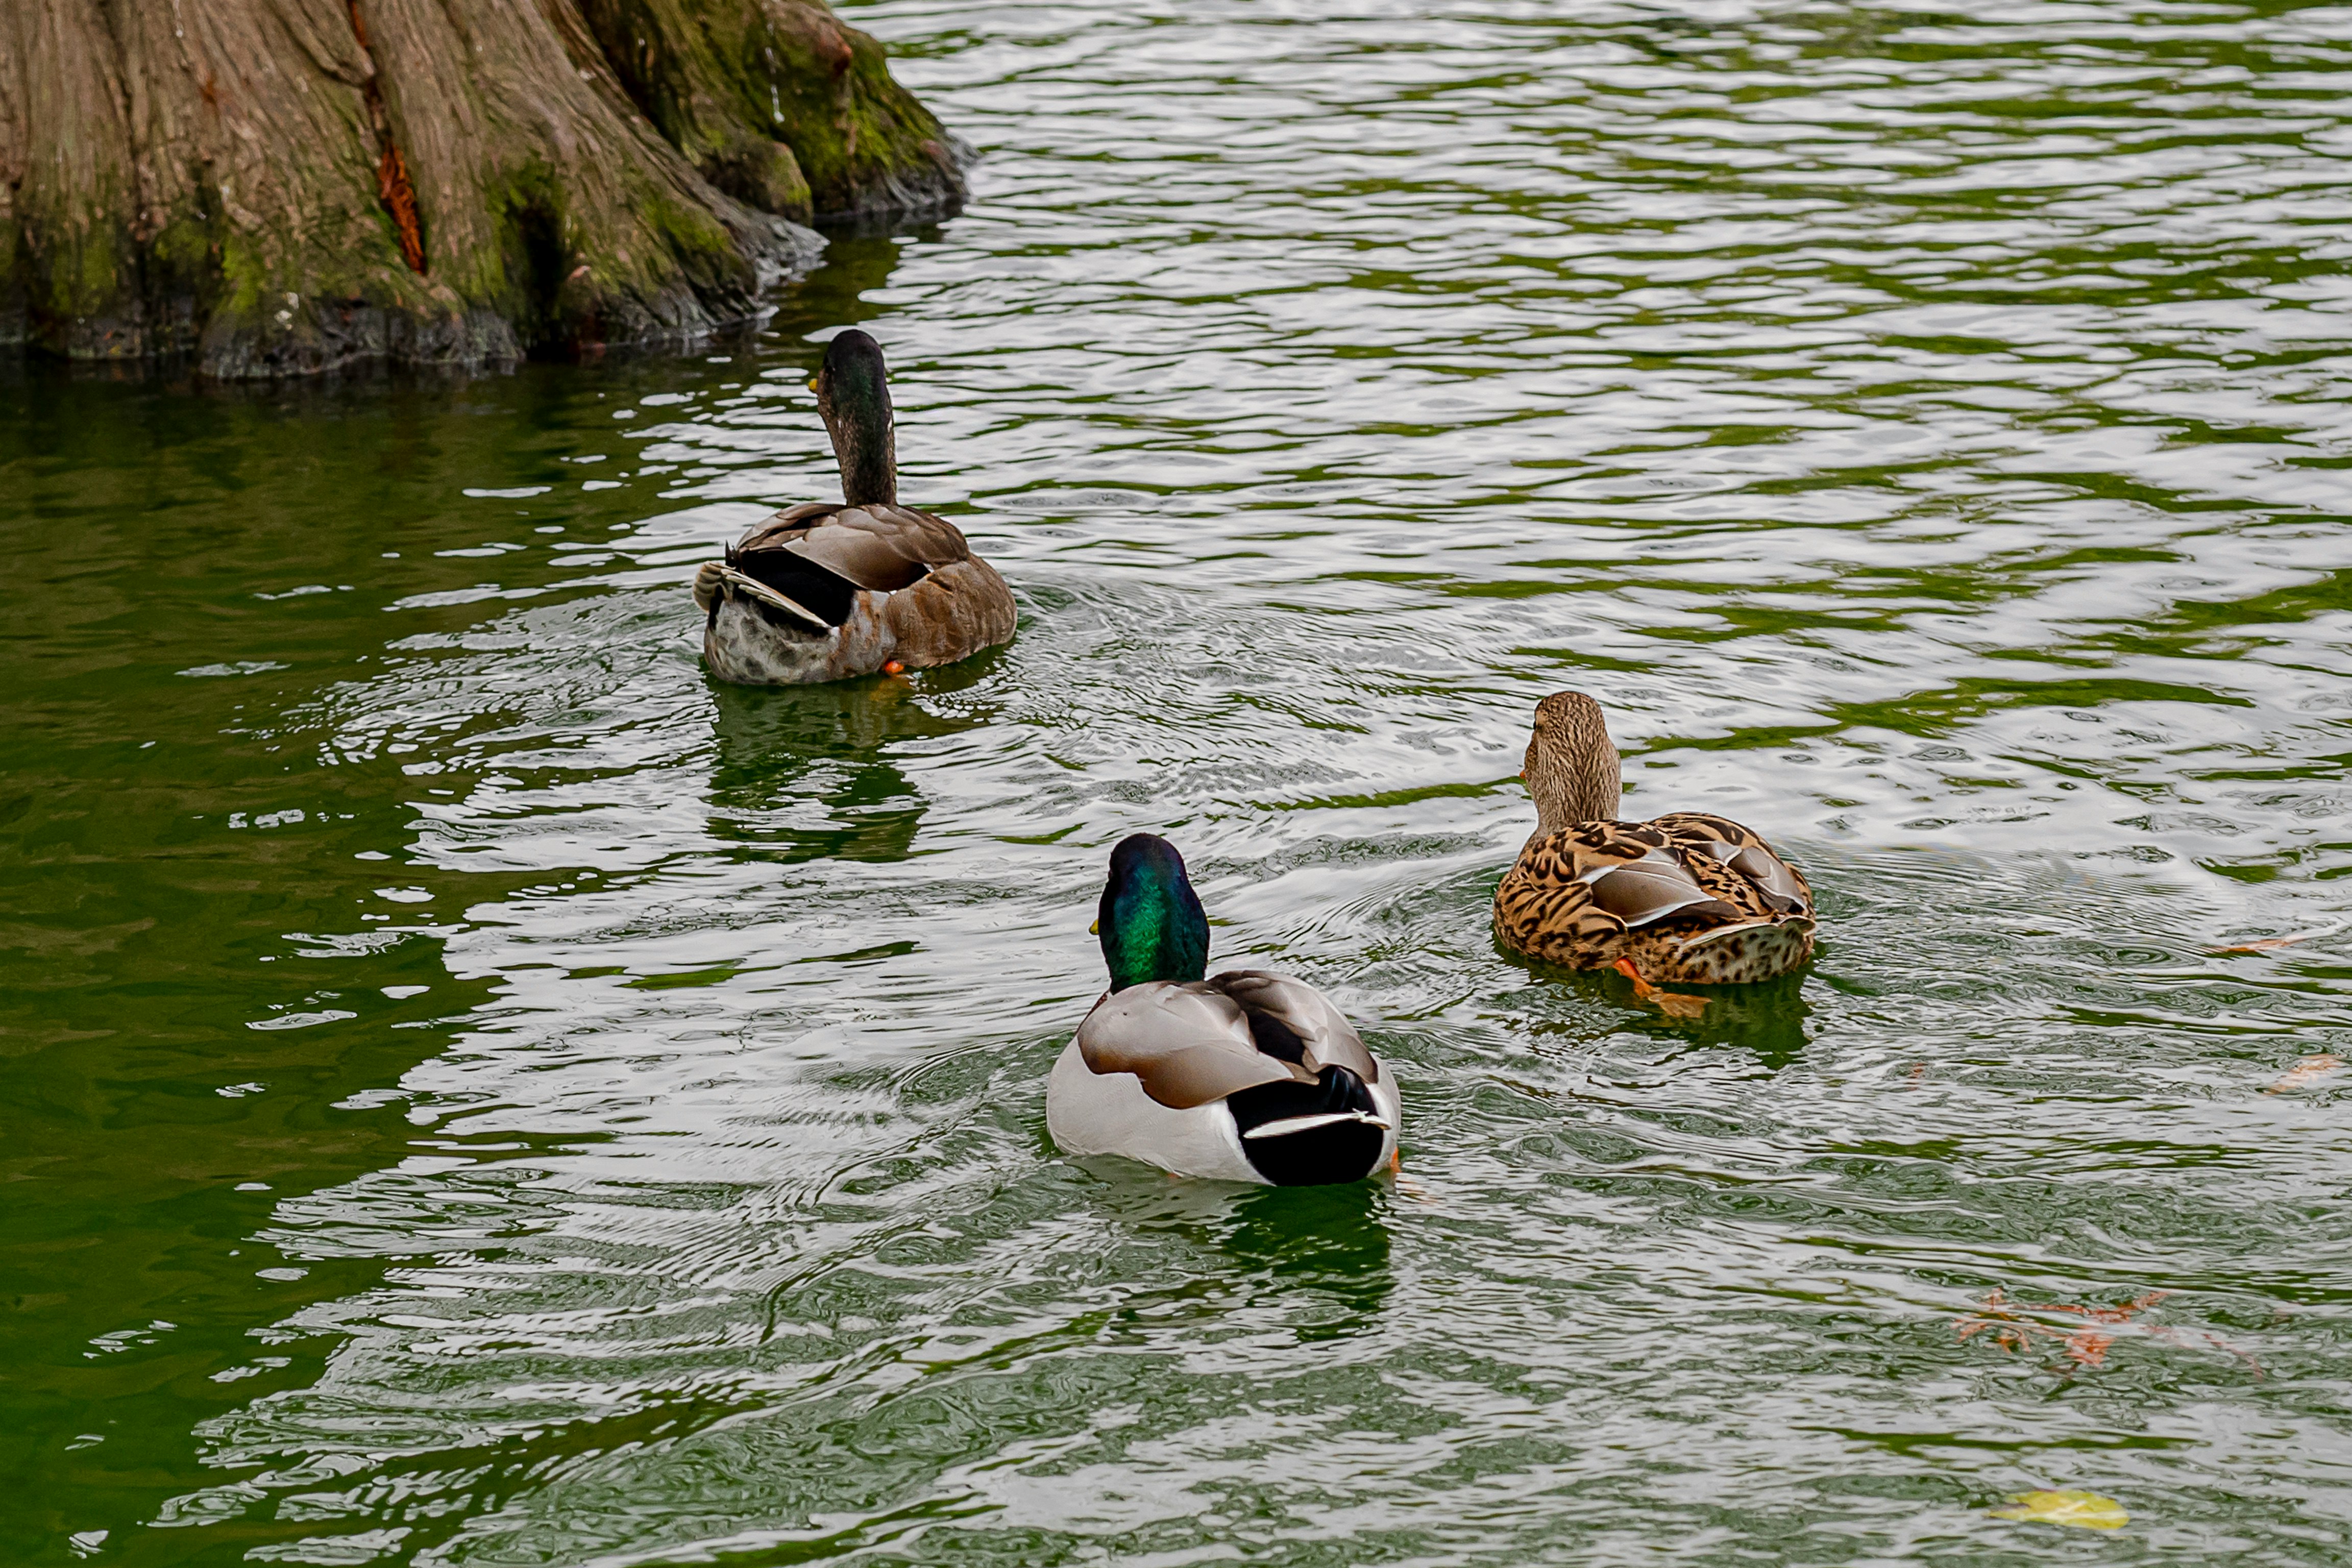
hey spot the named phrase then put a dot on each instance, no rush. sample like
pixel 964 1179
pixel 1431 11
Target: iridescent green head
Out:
pixel 853 394
pixel 1151 921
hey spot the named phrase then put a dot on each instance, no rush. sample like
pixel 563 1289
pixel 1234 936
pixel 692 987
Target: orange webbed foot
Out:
pixel 1674 1004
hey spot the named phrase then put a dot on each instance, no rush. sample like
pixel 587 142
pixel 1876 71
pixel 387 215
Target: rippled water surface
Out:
pixel 477 1093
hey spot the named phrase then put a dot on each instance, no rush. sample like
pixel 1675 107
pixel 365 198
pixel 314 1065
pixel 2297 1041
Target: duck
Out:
pixel 1246 1076
pixel 1686 899
pixel 830 591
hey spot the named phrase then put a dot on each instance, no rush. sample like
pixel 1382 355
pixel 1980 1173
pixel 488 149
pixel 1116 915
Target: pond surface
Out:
pixel 477 1093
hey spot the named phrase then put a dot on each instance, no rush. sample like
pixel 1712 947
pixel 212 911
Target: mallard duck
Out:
pixel 1248 1075
pixel 827 590
pixel 1684 899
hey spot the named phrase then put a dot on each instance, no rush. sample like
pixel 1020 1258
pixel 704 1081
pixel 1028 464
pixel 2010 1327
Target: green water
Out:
pixel 476 1093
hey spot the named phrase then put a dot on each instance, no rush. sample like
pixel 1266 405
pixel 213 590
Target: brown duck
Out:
pixel 1686 899
pixel 827 591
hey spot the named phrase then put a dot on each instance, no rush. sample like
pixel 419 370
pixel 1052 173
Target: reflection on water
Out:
pixel 808 771
pixel 1331 1243
pixel 1768 1020
pixel 477 1093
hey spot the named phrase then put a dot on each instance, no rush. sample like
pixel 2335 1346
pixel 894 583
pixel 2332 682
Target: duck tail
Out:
pixel 1748 950
pixel 716 579
pixel 706 579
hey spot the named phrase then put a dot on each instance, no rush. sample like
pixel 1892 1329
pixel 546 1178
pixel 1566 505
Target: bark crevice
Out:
pixel 392 186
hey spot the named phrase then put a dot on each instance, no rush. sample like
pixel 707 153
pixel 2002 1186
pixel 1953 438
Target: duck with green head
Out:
pixel 1247 1076
pixel 830 590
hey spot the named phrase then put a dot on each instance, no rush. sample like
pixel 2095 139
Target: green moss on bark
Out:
pixel 81 279
pixel 726 80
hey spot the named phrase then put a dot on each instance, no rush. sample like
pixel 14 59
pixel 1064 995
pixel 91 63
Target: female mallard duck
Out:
pixel 1686 899
pixel 1246 1077
pixel 823 592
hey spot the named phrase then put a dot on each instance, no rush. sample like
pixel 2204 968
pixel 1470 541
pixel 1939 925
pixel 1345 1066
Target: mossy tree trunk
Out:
pixel 280 186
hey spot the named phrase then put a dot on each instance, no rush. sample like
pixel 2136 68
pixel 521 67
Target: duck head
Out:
pixel 853 395
pixel 1571 769
pixel 1151 921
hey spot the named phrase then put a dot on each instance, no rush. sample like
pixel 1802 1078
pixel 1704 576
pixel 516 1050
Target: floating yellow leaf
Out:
pixel 2086 1510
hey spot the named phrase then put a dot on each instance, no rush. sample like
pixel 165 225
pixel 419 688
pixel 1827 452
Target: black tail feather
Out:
pixel 1340 1151
pixel 822 592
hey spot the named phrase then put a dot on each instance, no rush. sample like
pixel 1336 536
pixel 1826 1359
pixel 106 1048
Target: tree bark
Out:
pixel 283 186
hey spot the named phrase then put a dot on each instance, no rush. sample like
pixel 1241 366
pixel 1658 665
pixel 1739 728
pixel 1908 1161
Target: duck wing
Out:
pixel 1608 877
pixel 1737 866
pixel 1189 1043
pixel 1292 1022
pixel 818 557
pixel 785 527
pixel 882 548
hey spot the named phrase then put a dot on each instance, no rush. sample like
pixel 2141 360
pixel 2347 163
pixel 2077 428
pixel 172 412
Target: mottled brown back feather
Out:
pixel 1735 930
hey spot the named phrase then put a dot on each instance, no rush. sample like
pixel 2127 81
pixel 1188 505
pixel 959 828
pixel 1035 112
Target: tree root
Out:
pixel 284 186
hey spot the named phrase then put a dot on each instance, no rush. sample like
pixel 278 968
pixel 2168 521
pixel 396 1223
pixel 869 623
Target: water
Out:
pixel 476 1093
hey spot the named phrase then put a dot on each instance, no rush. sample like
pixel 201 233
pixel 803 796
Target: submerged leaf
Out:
pixel 2273 943
pixel 2304 1071
pixel 2083 1346
pixel 2085 1511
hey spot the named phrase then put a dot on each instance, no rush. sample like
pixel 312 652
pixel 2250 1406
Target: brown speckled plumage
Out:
pixel 1690 898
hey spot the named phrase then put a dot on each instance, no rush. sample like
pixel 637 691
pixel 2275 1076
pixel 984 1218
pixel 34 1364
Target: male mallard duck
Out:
pixel 1247 1077
pixel 1684 899
pixel 823 592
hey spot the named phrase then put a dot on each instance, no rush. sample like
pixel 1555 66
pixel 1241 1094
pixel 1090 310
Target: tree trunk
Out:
pixel 281 187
